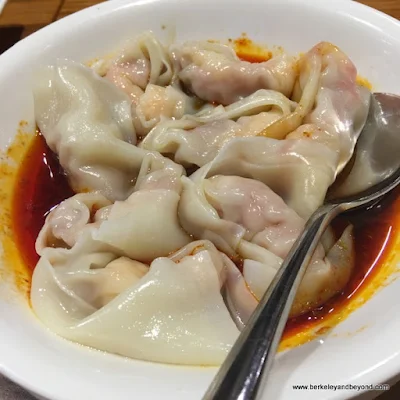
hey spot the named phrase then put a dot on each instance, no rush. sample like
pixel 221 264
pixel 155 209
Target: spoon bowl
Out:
pixel 374 159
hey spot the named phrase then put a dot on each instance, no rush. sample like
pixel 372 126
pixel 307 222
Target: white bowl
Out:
pixel 56 369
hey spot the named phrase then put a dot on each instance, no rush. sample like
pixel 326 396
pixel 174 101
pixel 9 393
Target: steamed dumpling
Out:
pixel 98 286
pixel 298 170
pixel 65 224
pixel 173 313
pixel 271 225
pixel 214 73
pixel 268 221
pixel 87 122
pixel 247 219
pixel 141 61
pixel 332 107
pixel 144 71
pixel 142 227
pixel 326 275
pixel 159 103
pixel 197 139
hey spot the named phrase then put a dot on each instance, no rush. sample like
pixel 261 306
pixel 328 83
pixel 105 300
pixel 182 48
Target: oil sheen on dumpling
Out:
pixel 170 312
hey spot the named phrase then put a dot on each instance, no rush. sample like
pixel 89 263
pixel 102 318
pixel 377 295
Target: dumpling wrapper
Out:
pixel 159 103
pixel 196 139
pixel 332 108
pixel 268 230
pixel 66 222
pixel 214 73
pixel 87 122
pixel 143 70
pixel 174 314
pixel 140 61
pixel 144 226
pixel 298 170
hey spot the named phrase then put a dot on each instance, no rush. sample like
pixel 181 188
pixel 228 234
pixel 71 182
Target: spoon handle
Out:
pixel 242 375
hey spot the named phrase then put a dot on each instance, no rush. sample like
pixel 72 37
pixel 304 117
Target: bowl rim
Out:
pixel 66 24
pixel 352 6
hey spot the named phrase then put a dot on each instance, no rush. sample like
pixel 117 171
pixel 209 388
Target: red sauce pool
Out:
pixel 374 232
pixel 42 185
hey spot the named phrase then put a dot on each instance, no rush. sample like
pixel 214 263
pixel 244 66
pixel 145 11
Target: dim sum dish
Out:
pixel 158 180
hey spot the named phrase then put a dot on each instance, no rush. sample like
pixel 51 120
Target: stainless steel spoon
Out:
pixel 375 171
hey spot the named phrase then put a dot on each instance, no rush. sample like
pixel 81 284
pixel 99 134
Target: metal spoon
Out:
pixel 243 374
